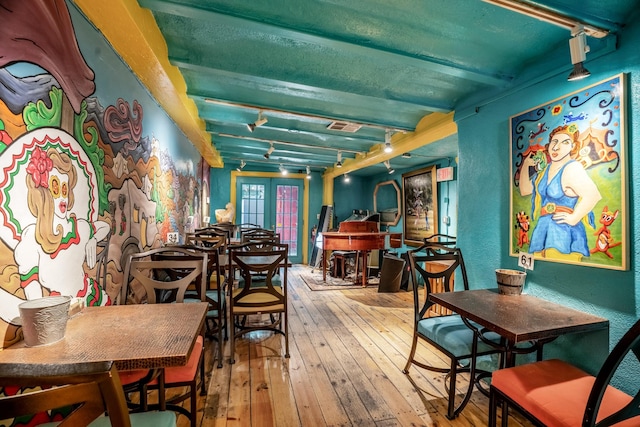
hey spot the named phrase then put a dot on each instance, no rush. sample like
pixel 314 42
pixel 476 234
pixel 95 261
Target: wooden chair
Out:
pixel 260 235
pixel 215 246
pixel 261 291
pixel 556 393
pixel 226 228
pixel 88 390
pixel 166 281
pixel 435 263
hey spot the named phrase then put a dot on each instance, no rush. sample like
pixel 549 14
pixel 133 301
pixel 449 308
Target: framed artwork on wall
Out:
pixel 420 205
pixel 569 178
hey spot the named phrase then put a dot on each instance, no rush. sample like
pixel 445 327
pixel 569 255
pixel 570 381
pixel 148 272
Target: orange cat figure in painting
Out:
pixel 523 228
pixel 604 242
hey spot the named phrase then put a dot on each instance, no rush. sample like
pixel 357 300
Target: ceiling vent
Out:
pixel 344 126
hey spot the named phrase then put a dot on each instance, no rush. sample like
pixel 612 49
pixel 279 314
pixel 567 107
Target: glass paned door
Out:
pixel 252 202
pixel 275 204
pixel 287 216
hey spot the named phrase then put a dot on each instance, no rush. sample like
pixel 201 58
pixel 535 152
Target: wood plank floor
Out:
pixel 348 348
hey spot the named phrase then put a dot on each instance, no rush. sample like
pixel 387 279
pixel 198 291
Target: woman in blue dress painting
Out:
pixel 562 196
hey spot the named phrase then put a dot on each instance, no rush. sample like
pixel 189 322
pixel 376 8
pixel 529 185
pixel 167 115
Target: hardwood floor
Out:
pixel 348 348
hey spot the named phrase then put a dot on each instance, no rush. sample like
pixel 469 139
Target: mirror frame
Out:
pixel 398 201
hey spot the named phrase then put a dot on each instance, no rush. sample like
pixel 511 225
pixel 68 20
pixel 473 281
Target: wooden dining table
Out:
pixel 137 336
pixel 518 318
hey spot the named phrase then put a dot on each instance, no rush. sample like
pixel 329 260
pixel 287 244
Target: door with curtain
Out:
pixel 275 204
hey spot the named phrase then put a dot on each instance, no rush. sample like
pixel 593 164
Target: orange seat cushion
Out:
pixel 556 393
pixel 175 374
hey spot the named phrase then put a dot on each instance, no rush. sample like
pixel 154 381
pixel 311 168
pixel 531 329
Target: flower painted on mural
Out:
pixel 39 167
pixel 557 109
pixel 572 129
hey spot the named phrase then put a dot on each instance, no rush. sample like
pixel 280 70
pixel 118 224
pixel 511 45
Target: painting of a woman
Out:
pixel 562 196
pixel 51 252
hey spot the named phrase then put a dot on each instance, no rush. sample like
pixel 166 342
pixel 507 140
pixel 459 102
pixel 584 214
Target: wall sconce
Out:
pixel 579 48
pixel 283 171
pixel 269 151
pixel 261 120
pixel 387 141
pixel 388 165
pixel 339 163
pixel 308 172
pixel 242 165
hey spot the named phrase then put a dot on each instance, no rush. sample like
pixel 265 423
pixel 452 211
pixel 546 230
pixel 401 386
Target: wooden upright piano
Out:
pixel 363 236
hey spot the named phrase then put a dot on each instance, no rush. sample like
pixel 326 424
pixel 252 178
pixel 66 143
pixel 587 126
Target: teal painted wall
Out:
pixel 483 225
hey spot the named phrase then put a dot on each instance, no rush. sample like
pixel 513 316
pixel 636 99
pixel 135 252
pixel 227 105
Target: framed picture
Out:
pixel 420 205
pixel 569 178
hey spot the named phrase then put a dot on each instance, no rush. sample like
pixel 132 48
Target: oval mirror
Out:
pixel 386 201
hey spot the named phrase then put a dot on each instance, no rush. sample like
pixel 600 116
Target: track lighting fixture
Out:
pixel 269 151
pixel 283 171
pixel 579 48
pixel 242 165
pixel 308 172
pixel 346 178
pixel 388 165
pixel 339 162
pixel 387 141
pixel 261 120
pixel 547 14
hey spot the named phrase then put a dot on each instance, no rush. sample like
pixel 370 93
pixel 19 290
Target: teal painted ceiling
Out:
pixel 378 63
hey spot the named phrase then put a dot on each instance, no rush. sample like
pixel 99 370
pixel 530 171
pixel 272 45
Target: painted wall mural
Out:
pixel 88 162
pixel 569 185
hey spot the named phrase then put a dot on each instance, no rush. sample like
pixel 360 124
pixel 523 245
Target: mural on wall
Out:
pixel 75 172
pixel 568 178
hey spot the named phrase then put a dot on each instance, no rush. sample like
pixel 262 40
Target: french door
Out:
pixel 275 204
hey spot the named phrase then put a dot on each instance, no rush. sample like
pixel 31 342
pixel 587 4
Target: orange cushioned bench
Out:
pixel 555 393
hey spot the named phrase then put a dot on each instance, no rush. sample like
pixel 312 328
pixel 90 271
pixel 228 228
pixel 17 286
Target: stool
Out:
pixel 341 257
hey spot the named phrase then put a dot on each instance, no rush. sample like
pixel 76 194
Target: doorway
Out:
pixel 275 204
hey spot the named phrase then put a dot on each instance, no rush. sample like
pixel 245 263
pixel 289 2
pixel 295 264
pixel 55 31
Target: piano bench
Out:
pixel 340 257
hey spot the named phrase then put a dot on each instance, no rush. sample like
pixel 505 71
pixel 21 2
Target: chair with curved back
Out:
pixel 261 291
pixel 557 393
pixel 215 245
pixel 434 263
pixel 88 390
pixel 164 275
pixel 260 235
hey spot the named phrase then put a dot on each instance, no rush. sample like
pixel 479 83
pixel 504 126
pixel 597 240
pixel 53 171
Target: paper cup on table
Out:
pixel 510 282
pixel 44 320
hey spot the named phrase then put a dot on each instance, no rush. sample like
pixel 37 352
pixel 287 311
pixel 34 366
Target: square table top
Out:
pixel 137 336
pixel 518 318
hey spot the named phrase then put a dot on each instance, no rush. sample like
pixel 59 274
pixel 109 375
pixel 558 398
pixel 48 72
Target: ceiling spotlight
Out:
pixel 269 151
pixel 406 155
pixel 261 120
pixel 346 178
pixel 283 171
pixel 387 141
pixel 388 165
pixel 579 48
pixel 339 163
pixel 242 165
pixel 308 172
